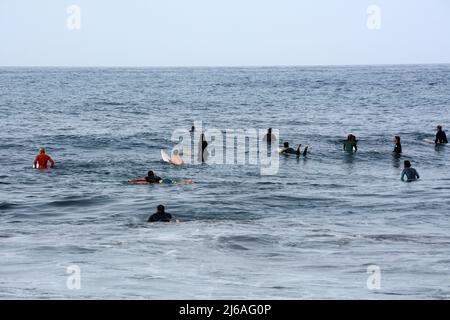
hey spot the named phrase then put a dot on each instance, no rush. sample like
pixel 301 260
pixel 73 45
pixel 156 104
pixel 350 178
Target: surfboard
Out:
pixel 428 141
pixel 165 157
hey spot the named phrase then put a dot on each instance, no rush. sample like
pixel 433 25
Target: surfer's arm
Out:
pixel 137 180
pixel 35 162
pixel 52 163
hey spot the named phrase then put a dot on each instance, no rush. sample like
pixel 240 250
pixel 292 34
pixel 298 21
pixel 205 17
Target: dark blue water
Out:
pixel 310 231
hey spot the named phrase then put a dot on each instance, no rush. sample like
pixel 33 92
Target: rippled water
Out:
pixel 310 231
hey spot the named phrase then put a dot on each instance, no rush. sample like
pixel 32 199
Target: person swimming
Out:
pixel 398 145
pixel 41 160
pixel 288 150
pixel 410 173
pixel 350 144
pixel 161 215
pixel 441 137
pixel 153 178
pixel 176 159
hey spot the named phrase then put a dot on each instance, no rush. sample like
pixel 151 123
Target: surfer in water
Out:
pixel 161 215
pixel 202 145
pixel 350 144
pixel 441 137
pixel 288 150
pixel 176 159
pixel 153 178
pixel 410 173
pixel 269 136
pixel 41 160
pixel 398 145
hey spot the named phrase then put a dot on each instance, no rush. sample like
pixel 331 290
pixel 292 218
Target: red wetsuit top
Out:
pixel 42 159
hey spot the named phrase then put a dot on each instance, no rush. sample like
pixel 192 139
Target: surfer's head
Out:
pixel 150 174
pixel 286 144
pixel 396 139
pixel 407 164
pixel 41 150
pixel 160 208
pixel 439 128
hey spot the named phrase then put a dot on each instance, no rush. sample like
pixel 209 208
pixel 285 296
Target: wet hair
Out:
pixel 439 128
pixel 286 144
pixel 350 137
pixel 41 150
pixel 150 174
pixel 160 208
pixel 397 138
pixel 407 164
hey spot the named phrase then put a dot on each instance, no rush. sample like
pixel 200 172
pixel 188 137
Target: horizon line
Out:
pixel 226 66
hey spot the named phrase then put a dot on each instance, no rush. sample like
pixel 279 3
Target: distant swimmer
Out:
pixel 176 159
pixel 161 215
pixel 288 150
pixel 153 178
pixel 398 145
pixel 202 151
pixel 410 173
pixel 441 137
pixel 192 129
pixel 350 144
pixel 41 160
pixel 269 137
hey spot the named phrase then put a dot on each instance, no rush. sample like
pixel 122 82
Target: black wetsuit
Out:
pixel 204 146
pixel 154 179
pixel 160 217
pixel 398 148
pixel 441 137
pixel 269 137
pixel 292 151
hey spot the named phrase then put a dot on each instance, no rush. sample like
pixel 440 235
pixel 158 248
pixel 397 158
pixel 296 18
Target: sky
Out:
pixel 223 32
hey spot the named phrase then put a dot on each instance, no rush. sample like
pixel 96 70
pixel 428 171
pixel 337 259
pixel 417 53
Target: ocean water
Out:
pixel 310 231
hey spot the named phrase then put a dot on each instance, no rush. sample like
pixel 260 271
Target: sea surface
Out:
pixel 310 231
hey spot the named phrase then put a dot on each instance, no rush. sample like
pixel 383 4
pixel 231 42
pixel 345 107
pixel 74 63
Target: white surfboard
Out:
pixel 165 157
pixel 429 141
